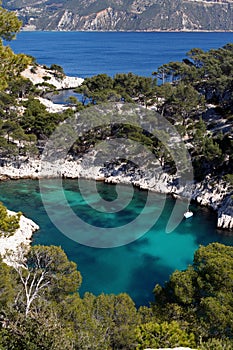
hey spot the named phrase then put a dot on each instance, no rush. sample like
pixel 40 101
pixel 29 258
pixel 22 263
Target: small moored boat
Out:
pixel 188 214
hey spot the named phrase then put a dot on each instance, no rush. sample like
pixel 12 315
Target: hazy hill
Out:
pixel 126 15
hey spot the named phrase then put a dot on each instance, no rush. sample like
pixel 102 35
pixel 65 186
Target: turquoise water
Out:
pixel 134 268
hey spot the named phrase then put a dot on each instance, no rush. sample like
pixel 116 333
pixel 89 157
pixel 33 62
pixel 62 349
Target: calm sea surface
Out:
pixel 138 266
pixel 133 268
pixel 88 53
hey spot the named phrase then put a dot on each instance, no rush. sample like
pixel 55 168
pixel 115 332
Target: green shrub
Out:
pixel 8 223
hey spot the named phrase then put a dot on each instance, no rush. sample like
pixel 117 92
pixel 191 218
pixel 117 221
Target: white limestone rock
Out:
pixel 40 75
pixel 22 235
pixel 225 214
pixel 52 107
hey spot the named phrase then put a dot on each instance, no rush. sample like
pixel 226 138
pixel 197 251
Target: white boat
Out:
pixel 188 214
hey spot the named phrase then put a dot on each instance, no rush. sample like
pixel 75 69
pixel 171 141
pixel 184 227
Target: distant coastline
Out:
pixel 32 29
pixel 123 15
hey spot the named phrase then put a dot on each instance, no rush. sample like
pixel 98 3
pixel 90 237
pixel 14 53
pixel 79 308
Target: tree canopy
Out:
pixel 10 64
pixel 202 294
pixel 9 24
pixel 122 87
pixel 8 223
pixel 41 306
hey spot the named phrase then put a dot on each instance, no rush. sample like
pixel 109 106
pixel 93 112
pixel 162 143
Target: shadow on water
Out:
pixel 144 278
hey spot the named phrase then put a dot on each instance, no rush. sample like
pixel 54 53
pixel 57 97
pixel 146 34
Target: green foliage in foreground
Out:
pixel 9 24
pixel 10 64
pixel 156 335
pixel 122 88
pixel 229 178
pixel 38 121
pixel 8 223
pixel 41 308
pixel 202 294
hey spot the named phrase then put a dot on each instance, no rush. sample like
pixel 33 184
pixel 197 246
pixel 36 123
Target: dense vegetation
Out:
pixel 8 223
pixel 195 95
pixel 40 307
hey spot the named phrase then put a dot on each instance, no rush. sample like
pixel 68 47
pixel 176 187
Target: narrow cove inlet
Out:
pixel 134 268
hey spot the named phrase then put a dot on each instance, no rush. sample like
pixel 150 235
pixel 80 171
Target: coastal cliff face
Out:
pixel 124 15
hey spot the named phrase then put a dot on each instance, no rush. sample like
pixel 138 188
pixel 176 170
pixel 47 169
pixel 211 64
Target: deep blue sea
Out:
pixel 85 54
pixel 134 268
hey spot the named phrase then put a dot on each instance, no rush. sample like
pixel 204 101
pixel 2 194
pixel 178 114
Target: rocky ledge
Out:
pixel 40 75
pixel 52 107
pixel 218 195
pixel 225 213
pixel 21 236
pixel 212 192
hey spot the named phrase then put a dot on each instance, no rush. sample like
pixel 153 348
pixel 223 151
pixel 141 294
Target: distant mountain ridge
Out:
pixel 124 15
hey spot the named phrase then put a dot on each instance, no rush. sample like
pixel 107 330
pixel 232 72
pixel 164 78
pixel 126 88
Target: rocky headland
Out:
pixel 22 236
pixel 40 75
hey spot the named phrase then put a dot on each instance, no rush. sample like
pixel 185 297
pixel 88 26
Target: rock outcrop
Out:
pixel 40 75
pixel 225 213
pixel 52 107
pixel 216 194
pixel 21 236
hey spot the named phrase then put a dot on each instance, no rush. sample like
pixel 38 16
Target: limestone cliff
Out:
pixel 124 15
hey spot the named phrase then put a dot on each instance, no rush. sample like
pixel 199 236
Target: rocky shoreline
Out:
pixel 212 192
pixel 21 236
pixel 39 75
